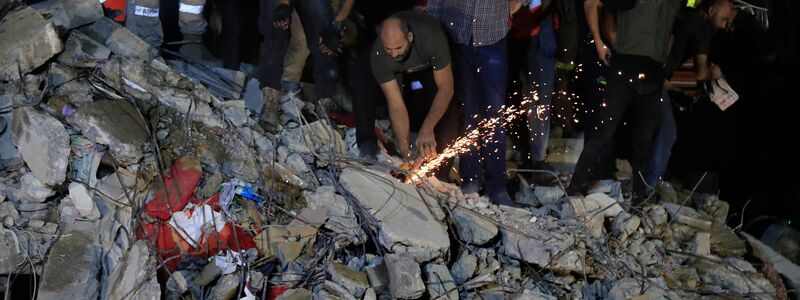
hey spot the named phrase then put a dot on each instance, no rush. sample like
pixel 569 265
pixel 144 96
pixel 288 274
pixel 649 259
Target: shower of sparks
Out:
pixel 484 131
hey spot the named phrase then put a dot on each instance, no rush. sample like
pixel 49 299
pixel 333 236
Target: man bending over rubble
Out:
pixel 413 48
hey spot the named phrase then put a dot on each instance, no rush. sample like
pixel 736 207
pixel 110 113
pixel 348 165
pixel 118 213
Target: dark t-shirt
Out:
pixel 692 36
pixel 429 49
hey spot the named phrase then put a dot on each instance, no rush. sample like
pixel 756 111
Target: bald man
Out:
pixel 412 47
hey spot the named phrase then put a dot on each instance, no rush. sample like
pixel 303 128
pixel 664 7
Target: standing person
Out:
pixel 413 45
pixel 143 20
pixel 539 22
pixel 323 37
pixel 691 38
pixel 479 30
pixel 636 80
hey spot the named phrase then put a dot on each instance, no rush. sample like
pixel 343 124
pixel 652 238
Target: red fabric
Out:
pixel 118 6
pixel 276 291
pixel 526 22
pixel 180 181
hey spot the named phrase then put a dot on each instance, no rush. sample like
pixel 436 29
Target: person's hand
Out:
pixel 330 39
pixel 282 16
pixel 514 6
pixel 602 51
pixel 426 142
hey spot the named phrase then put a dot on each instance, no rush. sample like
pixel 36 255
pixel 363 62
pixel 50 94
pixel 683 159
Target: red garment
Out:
pixel 117 7
pixel 526 22
pixel 181 180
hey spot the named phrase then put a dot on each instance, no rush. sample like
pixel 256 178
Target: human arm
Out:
pixel 426 140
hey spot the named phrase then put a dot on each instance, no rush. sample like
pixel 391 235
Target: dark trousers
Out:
pixel 315 15
pixel 633 82
pixel 365 92
pixel 480 75
pixel 232 15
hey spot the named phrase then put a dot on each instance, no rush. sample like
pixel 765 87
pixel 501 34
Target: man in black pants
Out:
pixel 413 45
pixel 635 79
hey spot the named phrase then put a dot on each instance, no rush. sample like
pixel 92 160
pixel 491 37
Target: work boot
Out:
pixel 194 50
pixel 270 117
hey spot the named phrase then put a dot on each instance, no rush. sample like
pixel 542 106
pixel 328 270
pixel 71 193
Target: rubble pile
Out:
pixel 125 175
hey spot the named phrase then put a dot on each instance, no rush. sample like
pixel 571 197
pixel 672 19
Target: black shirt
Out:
pixel 692 36
pixel 429 48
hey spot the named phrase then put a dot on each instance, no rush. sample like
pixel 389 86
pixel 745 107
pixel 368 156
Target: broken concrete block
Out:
pixel 685 278
pixel 44 144
pixel 331 290
pixel 533 247
pixel 73 265
pixel 295 294
pixel 378 277
pixel 624 225
pixel 688 216
pixel 405 277
pixel 125 43
pixel 100 30
pixel 702 244
pixel 355 282
pixel 10 158
pixel 252 97
pixel 183 102
pixel 407 226
pixel 472 227
pixel 789 270
pixel 341 217
pixel 464 267
pixel 15 250
pixel 441 284
pixel 32 190
pixel 116 124
pixel 81 51
pixel 69 14
pixel 82 199
pixel 28 42
pixel 226 287
pixel 733 276
pixel 137 267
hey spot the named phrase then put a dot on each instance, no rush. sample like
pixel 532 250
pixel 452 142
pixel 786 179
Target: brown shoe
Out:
pixel 270 117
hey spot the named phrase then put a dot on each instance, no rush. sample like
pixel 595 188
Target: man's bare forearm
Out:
pixel 592 10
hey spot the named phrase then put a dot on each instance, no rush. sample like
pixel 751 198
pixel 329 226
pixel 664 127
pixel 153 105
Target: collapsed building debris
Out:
pixel 130 176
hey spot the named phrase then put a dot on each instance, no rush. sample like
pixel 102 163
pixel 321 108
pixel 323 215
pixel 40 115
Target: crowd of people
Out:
pixel 439 67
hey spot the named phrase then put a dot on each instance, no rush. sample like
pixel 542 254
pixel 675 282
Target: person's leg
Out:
pixel 470 165
pixel 365 92
pixel 270 64
pixel 316 15
pixel 542 74
pixel 296 55
pixel 143 20
pixel 190 17
pixel 665 138
pixel 600 136
pixel 645 121
pixel 492 64
pixel 231 11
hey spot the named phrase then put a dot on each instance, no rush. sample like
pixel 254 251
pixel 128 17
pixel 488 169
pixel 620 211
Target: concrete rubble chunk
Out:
pixel 785 267
pixel 624 225
pixel 28 42
pixel 183 102
pixel 534 295
pixel 407 226
pixel 702 244
pixel 464 267
pixel 73 265
pixel 83 201
pixel 69 14
pixel 44 144
pixel 688 216
pixel 226 288
pixel 355 282
pixel 295 294
pixel 32 190
pixel 378 277
pixel 136 267
pixel 82 51
pixel 405 277
pixel 15 250
pixel 441 284
pixel 533 247
pixel 125 43
pixel 472 227
pixel 733 276
pixel 332 290
pixel 341 217
pixel 100 30
pixel 113 123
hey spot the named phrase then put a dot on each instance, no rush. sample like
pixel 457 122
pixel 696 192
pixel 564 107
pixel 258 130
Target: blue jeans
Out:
pixel 314 14
pixel 540 78
pixel 480 76
pixel 662 145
